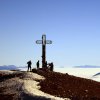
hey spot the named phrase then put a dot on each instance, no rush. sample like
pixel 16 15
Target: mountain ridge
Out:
pixel 10 67
pixel 87 66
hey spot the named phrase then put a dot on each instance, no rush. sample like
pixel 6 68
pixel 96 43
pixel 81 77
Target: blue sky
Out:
pixel 72 25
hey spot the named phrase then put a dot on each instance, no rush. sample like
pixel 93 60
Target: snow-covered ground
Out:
pixel 81 72
pixel 32 87
pixel 25 86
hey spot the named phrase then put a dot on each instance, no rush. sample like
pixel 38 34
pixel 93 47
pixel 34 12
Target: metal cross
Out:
pixel 43 42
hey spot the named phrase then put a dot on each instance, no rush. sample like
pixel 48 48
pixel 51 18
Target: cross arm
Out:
pixel 39 42
pixel 48 42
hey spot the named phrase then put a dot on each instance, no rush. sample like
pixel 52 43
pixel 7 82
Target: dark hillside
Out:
pixel 67 86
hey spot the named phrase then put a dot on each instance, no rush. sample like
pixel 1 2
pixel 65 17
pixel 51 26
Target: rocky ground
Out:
pixel 67 86
pixel 18 85
pixel 46 85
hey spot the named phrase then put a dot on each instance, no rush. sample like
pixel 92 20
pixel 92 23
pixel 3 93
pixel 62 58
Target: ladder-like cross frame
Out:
pixel 43 42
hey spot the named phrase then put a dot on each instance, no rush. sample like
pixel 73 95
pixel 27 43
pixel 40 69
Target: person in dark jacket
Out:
pixel 51 66
pixel 38 64
pixel 46 64
pixel 29 65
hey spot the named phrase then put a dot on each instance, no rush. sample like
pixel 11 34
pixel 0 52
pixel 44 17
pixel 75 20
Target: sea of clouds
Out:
pixel 89 73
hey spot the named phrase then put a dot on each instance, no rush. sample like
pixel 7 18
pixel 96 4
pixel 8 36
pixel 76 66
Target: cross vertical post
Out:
pixel 43 50
pixel 44 42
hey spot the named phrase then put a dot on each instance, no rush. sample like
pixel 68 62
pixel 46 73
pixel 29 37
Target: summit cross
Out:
pixel 43 42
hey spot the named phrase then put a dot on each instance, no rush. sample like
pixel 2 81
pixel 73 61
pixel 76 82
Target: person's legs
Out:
pixel 28 68
pixel 37 66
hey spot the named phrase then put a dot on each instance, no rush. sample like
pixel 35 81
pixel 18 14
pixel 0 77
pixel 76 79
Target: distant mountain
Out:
pixel 9 67
pixel 87 66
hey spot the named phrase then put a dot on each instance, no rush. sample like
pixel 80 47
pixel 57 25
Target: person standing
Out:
pixel 51 66
pixel 38 64
pixel 46 64
pixel 29 65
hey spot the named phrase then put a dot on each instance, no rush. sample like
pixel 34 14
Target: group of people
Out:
pixel 47 65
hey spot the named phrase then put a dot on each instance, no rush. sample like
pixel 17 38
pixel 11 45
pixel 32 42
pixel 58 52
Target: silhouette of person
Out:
pixel 51 66
pixel 29 65
pixel 46 64
pixel 38 64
